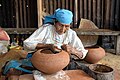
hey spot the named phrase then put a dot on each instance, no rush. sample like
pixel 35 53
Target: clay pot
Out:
pixel 101 72
pixel 47 62
pixel 94 54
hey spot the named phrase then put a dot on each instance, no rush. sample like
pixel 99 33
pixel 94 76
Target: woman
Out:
pixel 56 34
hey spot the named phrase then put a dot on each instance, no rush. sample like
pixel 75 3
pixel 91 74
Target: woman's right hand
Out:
pixel 54 48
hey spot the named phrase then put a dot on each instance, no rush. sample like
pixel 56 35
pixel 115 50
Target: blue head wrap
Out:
pixel 62 15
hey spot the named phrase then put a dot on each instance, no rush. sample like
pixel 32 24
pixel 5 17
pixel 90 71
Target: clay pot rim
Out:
pixel 92 65
pixel 39 52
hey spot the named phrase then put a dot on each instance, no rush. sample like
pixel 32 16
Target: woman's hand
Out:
pixel 68 48
pixel 54 48
pixel 72 50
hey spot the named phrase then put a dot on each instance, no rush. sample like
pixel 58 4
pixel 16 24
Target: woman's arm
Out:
pixel 76 46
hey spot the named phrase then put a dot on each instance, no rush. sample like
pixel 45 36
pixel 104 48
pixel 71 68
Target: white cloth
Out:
pixel 46 34
pixel 60 75
pixel 3 46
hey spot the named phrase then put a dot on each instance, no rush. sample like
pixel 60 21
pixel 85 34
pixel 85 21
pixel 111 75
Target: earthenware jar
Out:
pixel 94 54
pixel 47 62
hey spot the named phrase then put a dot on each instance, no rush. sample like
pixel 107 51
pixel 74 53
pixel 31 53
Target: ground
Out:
pixel 113 61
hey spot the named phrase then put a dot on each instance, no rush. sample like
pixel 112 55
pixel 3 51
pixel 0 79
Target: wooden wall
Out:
pixel 25 13
pixel 104 13
pixel 18 13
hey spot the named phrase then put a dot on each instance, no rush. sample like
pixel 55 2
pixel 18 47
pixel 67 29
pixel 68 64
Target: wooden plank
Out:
pixel 8 13
pixel 85 9
pixel 107 16
pixel 75 13
pixel 19 30
pixel 96 32
pixel 112 16
pixel 71 5
pixel 94 11
pixel 58 3
pixel 117 43
pixel 66 4
pixel 81 8
pixel 51 7
pixel 28 13
pixel 89 9
pixel 102 22
pixel 39 6
pixel 21 14
pixel 98 13
pixel 24 13
pixel 46 4
pixel 117 17
pixel 62 3
pixel 55 5
pixel 17 13
pixel 12 13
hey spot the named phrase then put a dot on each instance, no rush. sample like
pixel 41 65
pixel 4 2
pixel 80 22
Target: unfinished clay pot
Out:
pixel 47 62
pixel 87 40
pixel 94 54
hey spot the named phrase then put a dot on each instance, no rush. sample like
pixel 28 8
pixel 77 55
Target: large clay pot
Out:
pixel 94 54
pixel 47 62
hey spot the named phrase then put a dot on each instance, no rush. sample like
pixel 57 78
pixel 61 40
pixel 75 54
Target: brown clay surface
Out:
pixel 113 61
pixel 78 75
pixel 26 77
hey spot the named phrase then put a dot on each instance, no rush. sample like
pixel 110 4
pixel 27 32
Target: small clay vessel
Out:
pixel 101 72
pixel 47 62
pixel 94 54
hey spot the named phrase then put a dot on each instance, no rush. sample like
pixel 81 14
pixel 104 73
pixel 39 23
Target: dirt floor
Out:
pixel 113 61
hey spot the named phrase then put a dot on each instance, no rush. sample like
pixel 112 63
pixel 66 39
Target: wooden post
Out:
pixel 17 14
pixel 39 7
pixel 21 14
pixel 81 8
pixel 94 11
pixel 117 14
pixel 85 9
pixel 117 45
pixel 107 15
pixel 112 14
pixel 89 10
pixel 98 13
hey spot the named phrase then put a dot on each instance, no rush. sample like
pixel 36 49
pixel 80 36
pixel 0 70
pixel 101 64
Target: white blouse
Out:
pixel 46 34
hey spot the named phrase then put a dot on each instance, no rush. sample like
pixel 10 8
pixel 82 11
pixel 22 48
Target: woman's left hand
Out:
pixel 72 50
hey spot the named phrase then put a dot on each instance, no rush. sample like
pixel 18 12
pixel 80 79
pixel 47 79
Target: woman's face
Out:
pixel 61 28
